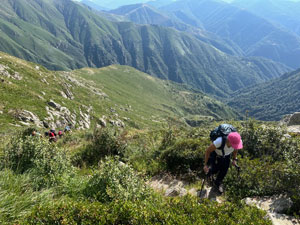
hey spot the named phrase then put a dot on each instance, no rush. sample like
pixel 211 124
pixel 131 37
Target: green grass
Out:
pixel 146 101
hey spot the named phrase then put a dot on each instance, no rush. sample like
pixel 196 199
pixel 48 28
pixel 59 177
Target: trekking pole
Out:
pixel 202 185
pixel 238 169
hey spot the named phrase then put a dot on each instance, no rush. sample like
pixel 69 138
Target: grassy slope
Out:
pixel 150 98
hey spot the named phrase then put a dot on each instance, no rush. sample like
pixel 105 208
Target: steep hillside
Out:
pixel 146 14
pixel 30 94
pixel 65 35
pixel 253 34
pixel 271 100
pixel 94 5
pixel 285 13
pixel 111 4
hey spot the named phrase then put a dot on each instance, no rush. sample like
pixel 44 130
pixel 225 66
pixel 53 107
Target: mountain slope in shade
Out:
pixel 111 4
pixel 271 100
pixel 65 35
pixel 146 14
pixel 285 13
pixel 253 34
pixel 117 92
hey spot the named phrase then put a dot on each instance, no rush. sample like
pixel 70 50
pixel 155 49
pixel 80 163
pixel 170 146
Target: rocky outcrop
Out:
pixel 27 118
pixel 54 105
pixel 291 119
pixel 59 117
pixel 102 121
pixel 117 123
pixel 172 187
pixel 275 206
pixel 85 121
pixel 4 72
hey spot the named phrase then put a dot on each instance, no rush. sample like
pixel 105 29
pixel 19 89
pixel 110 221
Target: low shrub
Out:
pixel 35 155
pixel 104 142
pixel 67 211
pixel 115 180
pixel 183 155
pixel 182 211
pixel 292 157
pixel 260 141
pixel 256 178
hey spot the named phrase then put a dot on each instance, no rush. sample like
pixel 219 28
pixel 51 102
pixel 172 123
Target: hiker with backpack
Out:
pixel 225 142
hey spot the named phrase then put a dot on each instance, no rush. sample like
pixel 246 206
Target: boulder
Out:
pixel 275 206
pixel 291 119
pixel 294 119
pixel 54 105
pixel 27 117
pixel 102 122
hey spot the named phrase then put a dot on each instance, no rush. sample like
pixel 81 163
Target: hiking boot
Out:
pixel 221 189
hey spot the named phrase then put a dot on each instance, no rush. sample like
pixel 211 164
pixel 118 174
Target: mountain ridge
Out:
pixel 255 35
pixel 78 38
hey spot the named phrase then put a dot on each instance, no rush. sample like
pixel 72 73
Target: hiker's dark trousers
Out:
pixel 219 165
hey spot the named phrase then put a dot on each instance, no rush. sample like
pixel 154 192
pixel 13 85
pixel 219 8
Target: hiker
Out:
pixel 217 160
pixel 35 134
pixel 52 136
pixel 67 129
pixel 60 134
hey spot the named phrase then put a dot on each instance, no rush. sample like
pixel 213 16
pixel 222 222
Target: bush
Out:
pixel 104 142
pixel 115 180
pixel 292 156
pixel 257 178
pixel 260 141
pixel 183 155
pixel 157 211
pixel 67 211
pixel 43 160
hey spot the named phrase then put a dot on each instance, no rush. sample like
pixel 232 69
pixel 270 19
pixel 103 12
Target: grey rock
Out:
pixel 102 122
pixel 66 93
pixel 4 72
pixel 28 117
pixel 294 119
pixel 117 123
pixel 54 105
pixel 291 119
pixel 275 207
pixel 45 81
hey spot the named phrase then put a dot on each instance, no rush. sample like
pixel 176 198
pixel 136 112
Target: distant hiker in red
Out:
pixel 52 137
pixel 217 156
pixel 60 133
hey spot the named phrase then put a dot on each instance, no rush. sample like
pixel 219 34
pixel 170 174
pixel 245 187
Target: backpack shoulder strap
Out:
pixel 224 139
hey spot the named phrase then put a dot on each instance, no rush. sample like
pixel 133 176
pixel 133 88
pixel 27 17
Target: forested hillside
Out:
pixel 271 100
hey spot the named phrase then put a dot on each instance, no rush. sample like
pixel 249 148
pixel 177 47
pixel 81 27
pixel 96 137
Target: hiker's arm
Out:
pixel 208 151
pixel 234 157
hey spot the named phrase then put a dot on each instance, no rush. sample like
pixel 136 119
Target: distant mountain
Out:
pixel 255 35
pixel 271 100
pixel 64 35
pixel 160 3
pixel 286 13
pixel 94 5
pixel 111 4
pixel 32 95
pixel 146 14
